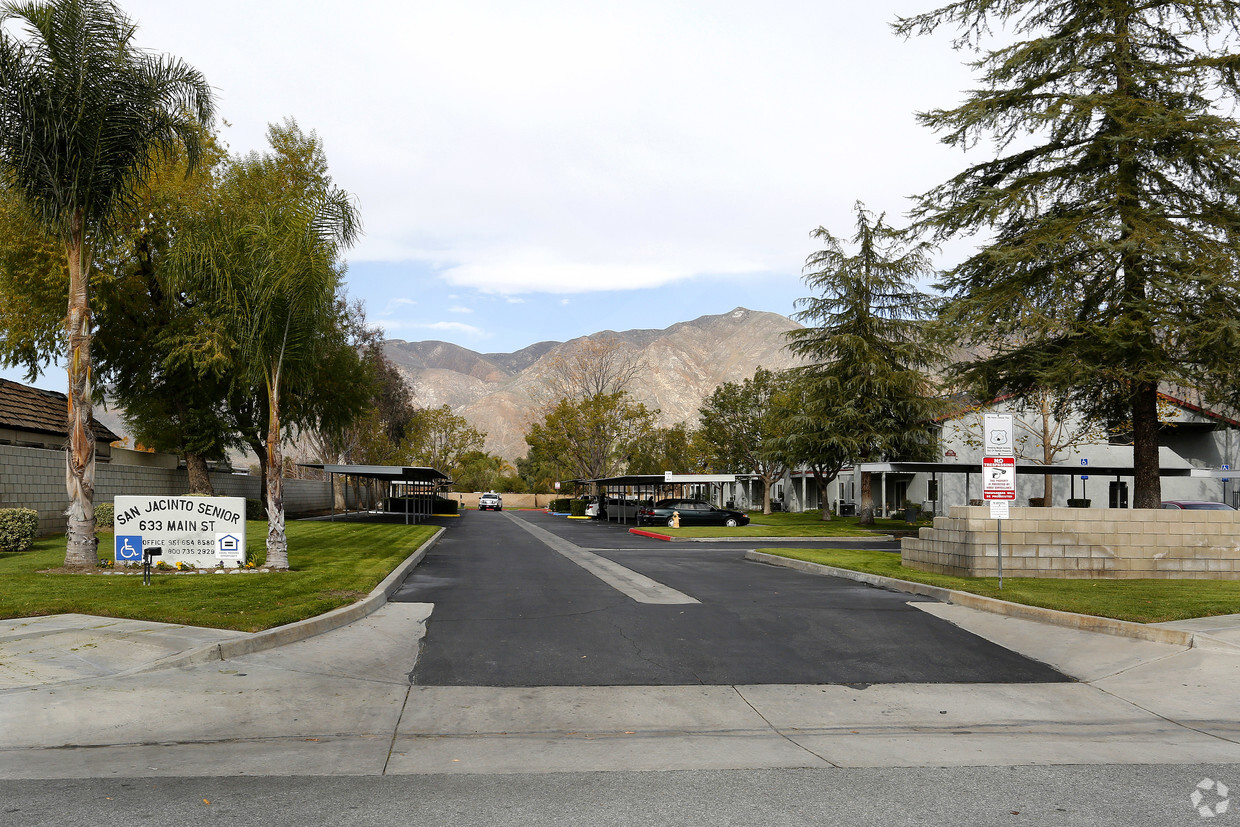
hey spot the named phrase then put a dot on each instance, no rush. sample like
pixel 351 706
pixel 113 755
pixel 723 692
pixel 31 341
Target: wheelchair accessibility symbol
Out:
pixel 129 549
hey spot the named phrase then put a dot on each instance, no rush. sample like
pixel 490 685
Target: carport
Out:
pixel 650 486
pixel 883 469
pixel 412 488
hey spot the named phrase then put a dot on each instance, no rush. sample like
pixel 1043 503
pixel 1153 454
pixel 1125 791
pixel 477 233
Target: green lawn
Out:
pixel 782 524
pixel 1143 601
pixel 334 564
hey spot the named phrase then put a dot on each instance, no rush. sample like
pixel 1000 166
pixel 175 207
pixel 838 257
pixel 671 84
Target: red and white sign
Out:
pixel 999 478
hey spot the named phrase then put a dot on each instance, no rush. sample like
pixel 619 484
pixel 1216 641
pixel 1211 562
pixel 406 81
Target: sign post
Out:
pixel 998 473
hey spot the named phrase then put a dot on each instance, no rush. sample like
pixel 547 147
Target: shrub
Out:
pixel 254 510
pixel 578 507
pixel 17 528
pixel 561 505
pixel 443 505
pixel 105 513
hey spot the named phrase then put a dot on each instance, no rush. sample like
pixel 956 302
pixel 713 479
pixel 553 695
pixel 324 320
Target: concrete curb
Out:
pixel 302 629
pixel 1088 623
pixel 877 538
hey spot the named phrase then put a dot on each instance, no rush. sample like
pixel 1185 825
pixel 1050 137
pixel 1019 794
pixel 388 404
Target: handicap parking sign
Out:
pixel 129 549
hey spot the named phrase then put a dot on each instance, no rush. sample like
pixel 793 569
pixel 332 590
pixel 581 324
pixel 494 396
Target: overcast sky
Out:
pixel 542 169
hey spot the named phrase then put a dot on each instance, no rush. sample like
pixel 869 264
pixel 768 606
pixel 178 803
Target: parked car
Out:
pixel 592 508
pixel 492 501
pixel 692 512
pixel 1197 505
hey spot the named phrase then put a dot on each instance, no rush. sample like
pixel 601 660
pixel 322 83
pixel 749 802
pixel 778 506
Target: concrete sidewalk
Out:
pixel 76 702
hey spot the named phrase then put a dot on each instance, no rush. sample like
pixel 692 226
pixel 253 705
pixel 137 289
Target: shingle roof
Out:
pixel 32 409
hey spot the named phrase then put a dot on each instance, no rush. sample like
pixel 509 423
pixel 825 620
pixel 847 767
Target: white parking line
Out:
pixel 637 586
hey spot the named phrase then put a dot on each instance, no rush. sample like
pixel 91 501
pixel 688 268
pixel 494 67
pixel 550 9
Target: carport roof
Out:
pixel 665 479
pixel 390 473
pixel 1030 468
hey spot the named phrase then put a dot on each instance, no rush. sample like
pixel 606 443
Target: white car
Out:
pixel 492 501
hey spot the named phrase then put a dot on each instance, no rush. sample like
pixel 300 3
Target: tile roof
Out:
pixel 32 409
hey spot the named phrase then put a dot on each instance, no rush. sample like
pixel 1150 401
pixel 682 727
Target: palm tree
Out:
pixel 83 115
pixel 268 256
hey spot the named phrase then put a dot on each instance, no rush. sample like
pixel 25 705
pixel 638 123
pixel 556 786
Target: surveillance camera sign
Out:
pixel 999 478
pixel 997 433
pixel 201 531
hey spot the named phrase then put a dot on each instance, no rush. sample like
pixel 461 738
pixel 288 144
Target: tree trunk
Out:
pixel 260 450
pixel 81 550
pixel 867 499
pixel 199 476
pixel 766 496
pixel 822 483
pixel 1146 482
pixel 277 540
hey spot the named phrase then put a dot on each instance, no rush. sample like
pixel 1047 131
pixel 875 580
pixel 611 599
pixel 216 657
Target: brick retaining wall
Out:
pixel 1082 543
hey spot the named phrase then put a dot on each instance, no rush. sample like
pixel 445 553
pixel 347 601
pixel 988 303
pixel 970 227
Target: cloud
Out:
pixel 453 327
pixel 459 309
pixel 524 271
pixel 393 304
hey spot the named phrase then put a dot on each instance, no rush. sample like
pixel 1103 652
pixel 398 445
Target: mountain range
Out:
pixel 677 369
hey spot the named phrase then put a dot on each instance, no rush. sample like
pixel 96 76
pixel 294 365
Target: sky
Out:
pixel 543 169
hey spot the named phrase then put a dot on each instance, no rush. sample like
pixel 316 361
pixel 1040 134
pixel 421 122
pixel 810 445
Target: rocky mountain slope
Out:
pixel 500 393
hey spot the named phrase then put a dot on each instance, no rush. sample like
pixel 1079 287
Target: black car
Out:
pixel 692 512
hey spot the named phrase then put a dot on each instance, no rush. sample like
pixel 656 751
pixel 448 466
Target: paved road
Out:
pixel 340 736
pixel 512 610
pixel 1129 796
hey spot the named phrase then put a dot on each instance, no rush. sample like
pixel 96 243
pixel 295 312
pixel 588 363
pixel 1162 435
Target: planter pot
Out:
pixel 1079 503
pixel 1037 502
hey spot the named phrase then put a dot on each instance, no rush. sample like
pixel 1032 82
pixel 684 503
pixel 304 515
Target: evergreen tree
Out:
pixel 1111 199
pixel 866 390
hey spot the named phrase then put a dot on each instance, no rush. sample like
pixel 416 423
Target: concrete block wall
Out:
pixel 35 478
pixel 1081 543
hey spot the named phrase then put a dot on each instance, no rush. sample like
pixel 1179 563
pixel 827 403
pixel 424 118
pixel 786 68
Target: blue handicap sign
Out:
pixel 129 548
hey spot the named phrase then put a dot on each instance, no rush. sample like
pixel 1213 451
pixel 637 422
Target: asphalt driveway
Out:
pixel 513 609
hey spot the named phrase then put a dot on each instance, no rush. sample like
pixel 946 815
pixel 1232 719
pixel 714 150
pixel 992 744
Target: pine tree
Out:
pixel 1110 201
pixel 866 388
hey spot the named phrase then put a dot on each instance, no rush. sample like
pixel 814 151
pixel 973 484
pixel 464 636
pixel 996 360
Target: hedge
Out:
pixel 17 528
pixel 577 508
pixel 442 505
pixel 561 505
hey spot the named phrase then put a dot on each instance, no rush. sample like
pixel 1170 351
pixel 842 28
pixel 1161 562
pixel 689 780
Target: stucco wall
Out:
pixel 1084 543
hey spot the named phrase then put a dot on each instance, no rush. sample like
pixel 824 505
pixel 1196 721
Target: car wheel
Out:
pixel 671 522
pixel 499 508
pixel 730 522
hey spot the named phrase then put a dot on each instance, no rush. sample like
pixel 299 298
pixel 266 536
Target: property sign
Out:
pixel 997 433
pixel 999 478
pixel 201 531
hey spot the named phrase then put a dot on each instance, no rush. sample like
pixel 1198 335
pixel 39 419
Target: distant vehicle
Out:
pixel 592 508
pixel 492 501
pixel 692 512
pixel 1196 505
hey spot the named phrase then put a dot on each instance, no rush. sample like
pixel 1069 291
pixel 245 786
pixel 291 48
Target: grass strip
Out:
pixel 803 524
pixel 334 564
pixel 1141 601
